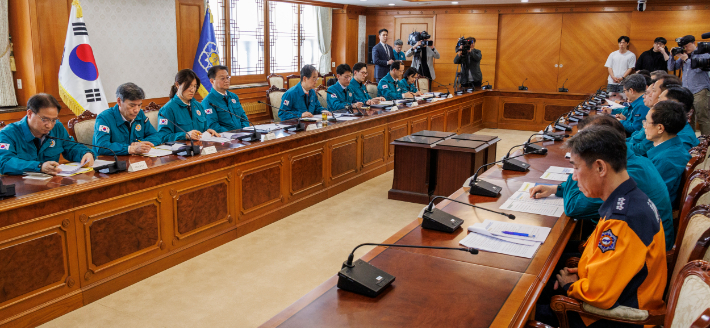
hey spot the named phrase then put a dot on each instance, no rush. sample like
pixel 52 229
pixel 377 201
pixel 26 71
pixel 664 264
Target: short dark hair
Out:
pixel 599 142
pixel 670 81
pixel 331 82
pixel 307 71
pixel 602 120
pixel 212 72
pixel 670 114
pixel 635 82
pixel 184 77
pixel 681 95
pixel 382 30
pixel 395 65
pixel 129 91
pixel 660 40
pixel 644 72
pixel 409 72
pixel 472 39
pixel 646 76
pixel 625 38
pixel 42 100
pixel 342 68
pixel 357 67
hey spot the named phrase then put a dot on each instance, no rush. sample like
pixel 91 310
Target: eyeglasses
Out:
pixel 646 123
pixel 47 120
pixel 226 78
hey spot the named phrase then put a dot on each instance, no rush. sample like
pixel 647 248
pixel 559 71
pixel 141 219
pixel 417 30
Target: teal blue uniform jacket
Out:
pixel 359 91
pixel 389 88
pixel 399 55
pixel 295 102
pixel 177 112
pixel 640 145
pixel 647 178
pixel 18 153
pixel 112 131
pixel 670 159
pixel 623 110
pixel 339 97
pixel 406 87
pixel 219 120
pixel 635 116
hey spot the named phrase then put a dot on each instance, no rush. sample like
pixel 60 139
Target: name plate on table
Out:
pixel 137 166
pixel 311 127
pixel 415 104
pixel 269 136
pixel 393 108
pixel 208 150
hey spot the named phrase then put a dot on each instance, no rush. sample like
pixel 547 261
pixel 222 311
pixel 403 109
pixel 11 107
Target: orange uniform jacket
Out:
pixel 624 260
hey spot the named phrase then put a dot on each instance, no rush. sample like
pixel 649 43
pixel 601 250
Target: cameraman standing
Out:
pixel 470 62
pixel 424 58
pixel 696 80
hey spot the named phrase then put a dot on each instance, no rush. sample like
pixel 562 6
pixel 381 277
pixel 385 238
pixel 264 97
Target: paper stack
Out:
pixel 557 173
pixel 521 201
pixel 506 238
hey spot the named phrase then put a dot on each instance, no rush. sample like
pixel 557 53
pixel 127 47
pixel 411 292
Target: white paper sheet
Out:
pixel 613 104
pixel 158 152
pixel 520 201
pixel 496 228
pixel 267 127
pixel 490 244
pixel 559 169
pixel 206 137
pixel 232 135
pixel 70 169
pixel 554 176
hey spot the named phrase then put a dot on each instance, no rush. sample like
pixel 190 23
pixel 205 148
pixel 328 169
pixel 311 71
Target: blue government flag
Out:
pixel 207 54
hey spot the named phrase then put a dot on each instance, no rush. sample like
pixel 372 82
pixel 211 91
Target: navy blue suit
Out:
pixel 380 57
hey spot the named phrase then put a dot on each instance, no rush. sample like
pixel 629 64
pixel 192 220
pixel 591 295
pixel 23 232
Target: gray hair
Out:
pixel 398 42
pixel 636 82
pixel 129 91
pixel 307 71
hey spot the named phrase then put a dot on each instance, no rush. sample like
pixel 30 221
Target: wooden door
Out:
pixel 587 40
pixel 189 15
pixel 403 26
pixel 528 47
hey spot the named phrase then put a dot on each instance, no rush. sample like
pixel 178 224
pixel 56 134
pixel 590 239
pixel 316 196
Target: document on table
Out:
pixel 158 152
pixel 613 104
pixel 495 245
pixel 386 103
pixel 520 201
pixel 557 173
pixel 70 169
pixel 343 117
pixel 234 135
pixel 209 138
pixel 267 127
pixel 495 229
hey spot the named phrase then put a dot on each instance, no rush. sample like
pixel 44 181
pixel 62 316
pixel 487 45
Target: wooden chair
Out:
pixel 151 111
pixel 320 80
pixel 275 80
pixel 327 78
pixel 292 80
pixel 688 301
pixel 273 98
pixel 322 96
pixel 371 88
pixel 2 124
pixel 423 84
pixel 692 240
pixel 697 193
pixel 82 127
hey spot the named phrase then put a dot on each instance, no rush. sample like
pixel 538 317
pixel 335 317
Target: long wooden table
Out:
pixel 70 241
pixel 440 288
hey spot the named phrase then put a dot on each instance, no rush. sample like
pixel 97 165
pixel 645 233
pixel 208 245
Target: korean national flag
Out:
pixel 4 146
pixel 163 121
pixel 104 128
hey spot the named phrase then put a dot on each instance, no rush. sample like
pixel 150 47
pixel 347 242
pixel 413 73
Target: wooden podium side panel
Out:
pixel 420 124
pixel 260 187
pixel 344 158
pixel 394 132
pixel 436 121
pixel 307 172
pixel 452 120
pixel 373 148
pixel 466 115
pixel 38 263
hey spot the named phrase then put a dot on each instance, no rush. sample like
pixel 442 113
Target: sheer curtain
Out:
pixel 7 90
pixel 324 17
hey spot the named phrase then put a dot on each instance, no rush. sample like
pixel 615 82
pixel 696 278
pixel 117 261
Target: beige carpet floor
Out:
pixel 249 280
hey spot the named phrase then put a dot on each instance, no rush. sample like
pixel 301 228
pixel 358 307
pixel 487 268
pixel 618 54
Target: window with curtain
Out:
pixel 246 34
pixel 283 34
pixel 310 49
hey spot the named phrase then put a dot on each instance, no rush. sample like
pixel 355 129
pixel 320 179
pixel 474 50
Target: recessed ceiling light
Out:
pixel 523 0
pixel 363 0
pixel 454 2
pixel 391 4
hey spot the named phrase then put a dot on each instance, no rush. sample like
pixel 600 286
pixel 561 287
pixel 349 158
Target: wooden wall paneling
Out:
pixel 519 112
pixel 48 269
pixel 437 121
pixel 406 24
pixel 52 34
pixel 551 109
pixel 189 14
pixel 373 147
pixel 587 41
pixel 477 115
pixel 352 47
pixel 394 132
pixel 466 114
pixel 24 31
pixel 453 120
pixel 307 171
pixel 260 186
pixel 648 25
pixel 344 158
pixel 377 22
pixel 528 47
pixel 339 40
pixel 419 124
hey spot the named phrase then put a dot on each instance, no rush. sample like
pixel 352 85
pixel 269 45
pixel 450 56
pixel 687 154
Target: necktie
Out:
pixel 38 144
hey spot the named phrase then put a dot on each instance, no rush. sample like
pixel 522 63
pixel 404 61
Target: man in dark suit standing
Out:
pixel 382 56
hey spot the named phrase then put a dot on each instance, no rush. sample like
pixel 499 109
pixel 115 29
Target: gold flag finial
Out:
pixel 79 13
pixel 210 11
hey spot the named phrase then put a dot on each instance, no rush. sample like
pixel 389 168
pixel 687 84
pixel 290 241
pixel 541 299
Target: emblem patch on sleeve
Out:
pixel 198 112
pixel 234 101
pixel 4 146
pixel 208 111
pixel 607 242
pixel 104 128
pixel 51 144
pixel 385 86
pixel 332 95
pixel 286 102
pixel 163 121
pixel 138 127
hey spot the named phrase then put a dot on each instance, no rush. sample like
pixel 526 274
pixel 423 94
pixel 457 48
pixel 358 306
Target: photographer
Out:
pixel 653 59
pixel 426 55
pixel 470 61
pixel 696 80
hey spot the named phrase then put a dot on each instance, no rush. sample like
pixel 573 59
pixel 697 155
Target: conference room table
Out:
pixel 444 288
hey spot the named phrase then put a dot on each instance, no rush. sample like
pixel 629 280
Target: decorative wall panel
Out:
pixel 518 111
pixel 124 233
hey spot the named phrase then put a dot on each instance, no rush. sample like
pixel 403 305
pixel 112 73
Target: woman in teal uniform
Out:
pixel 408 83
pixel 184 111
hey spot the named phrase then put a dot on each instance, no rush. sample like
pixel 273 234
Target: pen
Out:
pixel 518 234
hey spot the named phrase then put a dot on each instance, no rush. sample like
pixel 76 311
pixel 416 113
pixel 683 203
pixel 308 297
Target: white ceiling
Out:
pixel 402 3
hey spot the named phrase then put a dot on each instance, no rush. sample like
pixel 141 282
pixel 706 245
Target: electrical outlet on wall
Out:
pixel 19 84
pixel 333 64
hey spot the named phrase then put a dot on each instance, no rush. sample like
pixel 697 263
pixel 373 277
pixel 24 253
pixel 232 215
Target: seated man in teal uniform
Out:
pixel 221 106
pixel 28 146
pixel 640 168
pixel 408 83
pixel 388 86
pixel 301 100
pixel 663 122
pixel 339 96
pixel 398 53
pixel 184 111
pixel 634 88
pixel 357 87
pixel 124 128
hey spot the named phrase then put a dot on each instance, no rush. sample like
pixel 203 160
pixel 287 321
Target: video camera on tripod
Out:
pixel 702 48
pixel 415 37
pixel 464 45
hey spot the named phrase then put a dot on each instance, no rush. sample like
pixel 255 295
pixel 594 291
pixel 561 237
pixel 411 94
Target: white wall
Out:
pixel 133 41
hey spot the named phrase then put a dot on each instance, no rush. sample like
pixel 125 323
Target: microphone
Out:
pixel 563 89
pixel 6 190
pixel 299 126
pixel 365 279
pixel 531 148
pixel 189 150
pixel 523 87
pixel 436 219
pixel 326 101
pixel 483 188
pixel 561 126
pixel 448 92
pixel 349 107
pixel 256 136
pixel 117 165
pixel 487 86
